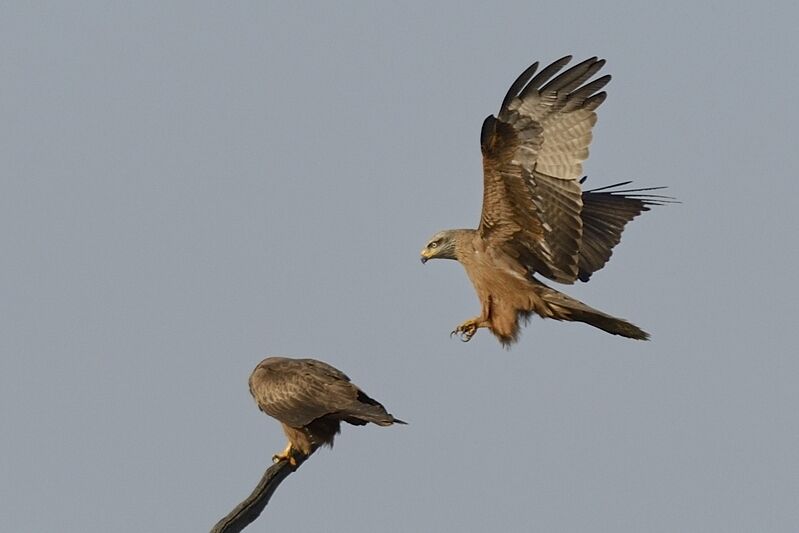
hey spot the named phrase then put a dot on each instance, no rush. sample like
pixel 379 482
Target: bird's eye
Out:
pixel 432 245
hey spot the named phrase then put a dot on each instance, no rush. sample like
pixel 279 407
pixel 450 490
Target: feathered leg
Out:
pixel 466 331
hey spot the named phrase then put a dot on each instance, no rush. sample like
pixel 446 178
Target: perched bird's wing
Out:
pixel 606 210
pixel 532 160
pixel 298 391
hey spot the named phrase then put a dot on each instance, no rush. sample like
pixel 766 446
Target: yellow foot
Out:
pixel 280 457
pixel 286 455
pixel 465 331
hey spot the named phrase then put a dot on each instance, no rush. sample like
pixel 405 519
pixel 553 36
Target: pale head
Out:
pixel 441 246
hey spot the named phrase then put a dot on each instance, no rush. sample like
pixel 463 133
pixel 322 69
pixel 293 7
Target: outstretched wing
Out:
pixel 532 160
pixel 606 210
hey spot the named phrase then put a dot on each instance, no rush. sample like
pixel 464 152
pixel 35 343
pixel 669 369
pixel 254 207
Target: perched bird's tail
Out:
pixel 567 308
pixel 366 409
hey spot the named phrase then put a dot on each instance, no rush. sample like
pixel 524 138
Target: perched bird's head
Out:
pixel 440 246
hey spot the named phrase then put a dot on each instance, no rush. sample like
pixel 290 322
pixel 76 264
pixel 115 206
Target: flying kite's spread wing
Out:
pixel 606 210
pixel 532 160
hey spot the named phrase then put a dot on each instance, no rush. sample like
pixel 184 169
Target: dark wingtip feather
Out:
pixel 596 100
pixel 518 84
pixel 545 74
pixel 487 131
pixel 633 193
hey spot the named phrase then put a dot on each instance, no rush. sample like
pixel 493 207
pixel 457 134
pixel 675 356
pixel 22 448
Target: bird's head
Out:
pixel 440 246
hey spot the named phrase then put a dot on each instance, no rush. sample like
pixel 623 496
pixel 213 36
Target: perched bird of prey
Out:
pixel 310 399
pixel 536 219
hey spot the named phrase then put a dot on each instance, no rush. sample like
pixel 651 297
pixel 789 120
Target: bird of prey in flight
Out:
pixel 536 219
pixel 310 399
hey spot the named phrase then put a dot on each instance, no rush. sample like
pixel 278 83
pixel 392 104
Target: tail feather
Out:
pixel 567 308
pixel 367 409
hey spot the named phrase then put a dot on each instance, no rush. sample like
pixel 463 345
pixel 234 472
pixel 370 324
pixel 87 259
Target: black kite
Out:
pixel 536 219
pixel 310 399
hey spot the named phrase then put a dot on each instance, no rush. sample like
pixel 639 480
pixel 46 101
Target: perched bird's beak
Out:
pixel 424 260
pixel 425 256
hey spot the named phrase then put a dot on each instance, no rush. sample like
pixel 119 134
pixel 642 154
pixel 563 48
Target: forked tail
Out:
pixel 567 308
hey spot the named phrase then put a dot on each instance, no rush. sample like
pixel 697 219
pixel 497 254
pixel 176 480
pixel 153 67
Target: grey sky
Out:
pixel 189 188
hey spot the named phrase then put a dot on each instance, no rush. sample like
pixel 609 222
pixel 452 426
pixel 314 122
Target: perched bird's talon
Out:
pixel 289 458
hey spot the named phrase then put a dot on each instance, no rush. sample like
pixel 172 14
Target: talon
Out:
pixel 290 458
pixel 286 455
pixel 465 331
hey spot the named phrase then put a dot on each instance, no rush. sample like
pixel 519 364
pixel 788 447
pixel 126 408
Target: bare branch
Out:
pixel 252 506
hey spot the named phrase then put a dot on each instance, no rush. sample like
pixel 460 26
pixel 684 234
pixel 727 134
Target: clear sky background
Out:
pixel 190 187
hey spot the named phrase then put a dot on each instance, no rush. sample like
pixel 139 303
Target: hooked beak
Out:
pixel 424 259
pixel 425 255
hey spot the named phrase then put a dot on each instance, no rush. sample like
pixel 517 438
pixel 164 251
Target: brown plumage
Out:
pixel 536 219
pixel 310 399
